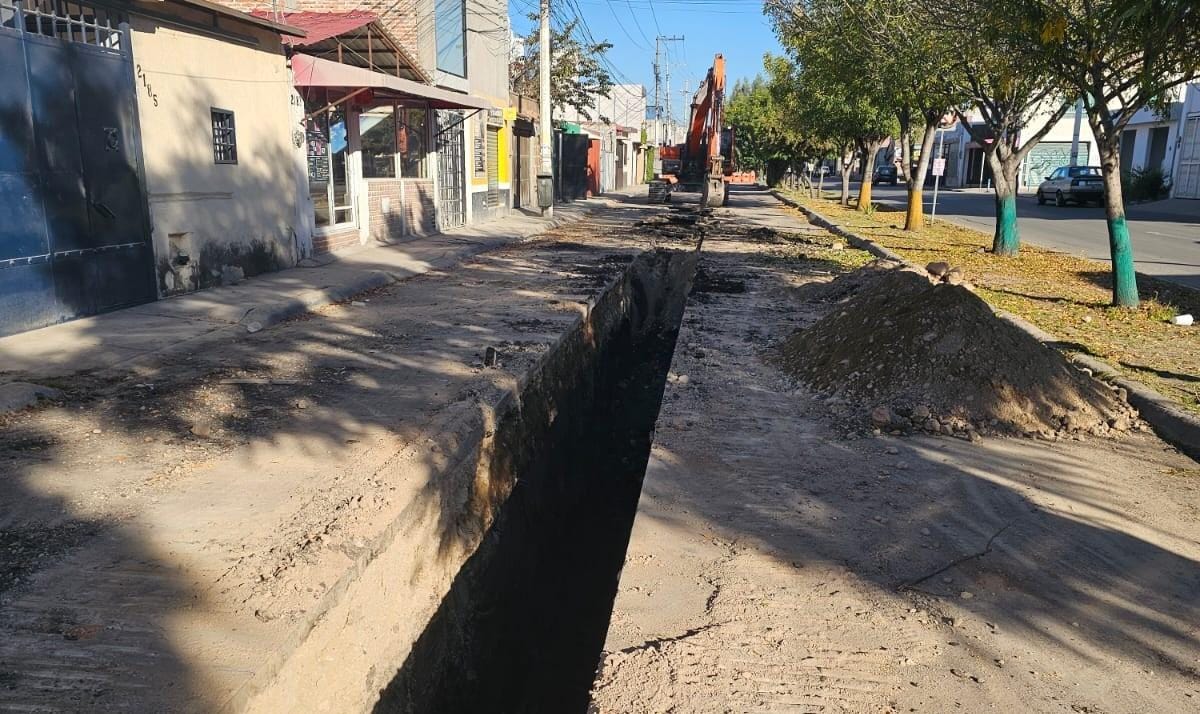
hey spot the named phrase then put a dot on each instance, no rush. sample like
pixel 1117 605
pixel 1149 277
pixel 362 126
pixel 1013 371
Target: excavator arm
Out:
pixel 704 150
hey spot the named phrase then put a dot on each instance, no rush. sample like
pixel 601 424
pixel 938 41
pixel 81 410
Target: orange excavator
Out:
pixel 705 161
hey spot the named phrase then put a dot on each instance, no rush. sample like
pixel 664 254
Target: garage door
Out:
pixel 1047 156
pixel 1187 183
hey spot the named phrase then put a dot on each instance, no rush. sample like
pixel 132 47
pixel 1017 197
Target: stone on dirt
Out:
pixel 937 269
pixel 18 395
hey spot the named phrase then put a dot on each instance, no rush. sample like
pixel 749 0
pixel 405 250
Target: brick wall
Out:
pixel 420 206
pixel 410 23
pixel 384 225
pixel 330 242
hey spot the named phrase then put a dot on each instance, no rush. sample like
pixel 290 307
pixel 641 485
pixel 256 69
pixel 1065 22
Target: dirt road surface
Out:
pixel 779 563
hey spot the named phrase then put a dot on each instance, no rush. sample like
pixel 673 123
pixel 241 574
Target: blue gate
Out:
pixel 74 235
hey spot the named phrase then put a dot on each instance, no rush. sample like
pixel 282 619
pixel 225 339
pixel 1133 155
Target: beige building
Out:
pixel 222 164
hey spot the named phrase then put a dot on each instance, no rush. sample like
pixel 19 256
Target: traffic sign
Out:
pixel 939 167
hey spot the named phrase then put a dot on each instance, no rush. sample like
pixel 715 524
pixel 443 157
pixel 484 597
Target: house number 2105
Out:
pixel 146 83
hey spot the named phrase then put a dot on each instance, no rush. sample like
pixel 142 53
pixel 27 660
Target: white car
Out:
pixel 1072 183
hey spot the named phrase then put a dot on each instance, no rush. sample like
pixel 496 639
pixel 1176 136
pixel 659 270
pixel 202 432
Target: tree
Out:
pixel 577 73
pixel 750 112
pixel 1016 94
pixel 886 53
pixel 1120 56
pixel 768 137
pixel 829 111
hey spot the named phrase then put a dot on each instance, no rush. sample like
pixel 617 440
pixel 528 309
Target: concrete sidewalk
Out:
pixel 181 323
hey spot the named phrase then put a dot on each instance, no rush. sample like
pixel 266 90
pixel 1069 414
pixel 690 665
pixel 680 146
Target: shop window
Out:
pixel 329 182
pixel 450 30
pixel 412 137
pixel 377 133
pixel 224 137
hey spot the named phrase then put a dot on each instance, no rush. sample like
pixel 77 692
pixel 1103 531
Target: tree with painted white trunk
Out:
pixel 1121 56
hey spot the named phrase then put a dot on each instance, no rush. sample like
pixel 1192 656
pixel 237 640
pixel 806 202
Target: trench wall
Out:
pixel 492 590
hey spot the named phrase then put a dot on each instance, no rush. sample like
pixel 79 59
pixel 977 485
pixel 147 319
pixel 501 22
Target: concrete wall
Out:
pixel 488 52
pixel 213 222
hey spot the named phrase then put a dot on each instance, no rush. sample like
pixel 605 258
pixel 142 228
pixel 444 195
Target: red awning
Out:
pixel 320 26
pixel 316 72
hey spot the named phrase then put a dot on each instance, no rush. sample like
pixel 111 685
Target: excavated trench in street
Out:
pixel 523 625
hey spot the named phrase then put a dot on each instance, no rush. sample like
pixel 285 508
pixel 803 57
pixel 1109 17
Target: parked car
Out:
pixel 1072 183
pixel 886 174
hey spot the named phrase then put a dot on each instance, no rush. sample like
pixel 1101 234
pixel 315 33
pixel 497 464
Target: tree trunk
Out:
pixel 868 175
pixel 847 162
pixel 1124 278
pixel 915 220
pixel 1006 241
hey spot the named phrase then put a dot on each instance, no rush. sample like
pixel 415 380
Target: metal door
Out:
pixel 493 167
pixel 74 239
pixel 1187 183
pixel 1047 156
pixel 451 183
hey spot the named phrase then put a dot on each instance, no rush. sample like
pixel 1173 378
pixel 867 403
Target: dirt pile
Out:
pixel 908 354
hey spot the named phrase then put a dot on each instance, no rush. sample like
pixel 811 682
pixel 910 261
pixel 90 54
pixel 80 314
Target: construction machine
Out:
pixel 704 162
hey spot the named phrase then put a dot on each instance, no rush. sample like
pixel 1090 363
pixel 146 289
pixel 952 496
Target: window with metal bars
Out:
pixel 224 137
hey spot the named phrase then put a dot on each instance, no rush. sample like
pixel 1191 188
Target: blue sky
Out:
pixel 735 28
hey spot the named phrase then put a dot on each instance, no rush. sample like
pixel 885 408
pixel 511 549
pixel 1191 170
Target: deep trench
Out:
pixel 523 626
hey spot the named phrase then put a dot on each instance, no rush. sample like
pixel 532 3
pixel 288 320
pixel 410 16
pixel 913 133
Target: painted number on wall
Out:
pixel 146 83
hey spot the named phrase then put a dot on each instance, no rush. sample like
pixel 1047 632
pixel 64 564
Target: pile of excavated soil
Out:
pixel 909 355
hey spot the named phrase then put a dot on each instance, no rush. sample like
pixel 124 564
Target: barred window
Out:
pixel 224 137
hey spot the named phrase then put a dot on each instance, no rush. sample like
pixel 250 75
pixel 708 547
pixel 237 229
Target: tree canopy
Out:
pixel 577 72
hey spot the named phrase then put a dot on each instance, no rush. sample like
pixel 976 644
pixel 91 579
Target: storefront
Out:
pixel 371 143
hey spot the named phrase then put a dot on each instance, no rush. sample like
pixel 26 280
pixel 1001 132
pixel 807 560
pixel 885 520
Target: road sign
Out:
pixel 939 167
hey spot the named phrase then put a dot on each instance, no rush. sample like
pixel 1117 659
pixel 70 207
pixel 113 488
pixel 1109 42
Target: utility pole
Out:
pixel 685 105
pixel 546 127
pixel 658 94
pixel 1075 133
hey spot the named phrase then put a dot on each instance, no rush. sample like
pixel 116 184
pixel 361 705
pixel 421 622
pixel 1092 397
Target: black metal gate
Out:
pixel 451 170
pixel 74 236
pixel 572 166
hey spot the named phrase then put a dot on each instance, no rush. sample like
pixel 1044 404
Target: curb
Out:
pixel 854 240
pixel 1172 424
pixel 260 317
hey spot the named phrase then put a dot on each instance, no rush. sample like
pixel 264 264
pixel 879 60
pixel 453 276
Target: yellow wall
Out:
pixel 221 215
pixel 504 137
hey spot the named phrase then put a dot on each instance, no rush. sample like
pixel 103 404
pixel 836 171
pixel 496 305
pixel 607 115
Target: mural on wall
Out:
pixel 1047 156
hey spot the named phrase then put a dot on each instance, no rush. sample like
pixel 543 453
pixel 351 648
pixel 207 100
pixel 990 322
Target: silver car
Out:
pixel 1072 183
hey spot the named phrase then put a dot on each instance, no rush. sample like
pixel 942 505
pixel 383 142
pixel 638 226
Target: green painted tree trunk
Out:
pixel 1006 241
pixel 1124 277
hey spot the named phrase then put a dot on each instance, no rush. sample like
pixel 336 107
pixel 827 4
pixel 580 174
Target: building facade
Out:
pixel 457 45
pixel 145 151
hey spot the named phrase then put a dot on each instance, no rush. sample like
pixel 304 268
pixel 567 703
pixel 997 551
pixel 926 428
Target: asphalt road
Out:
pixel 1165 234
